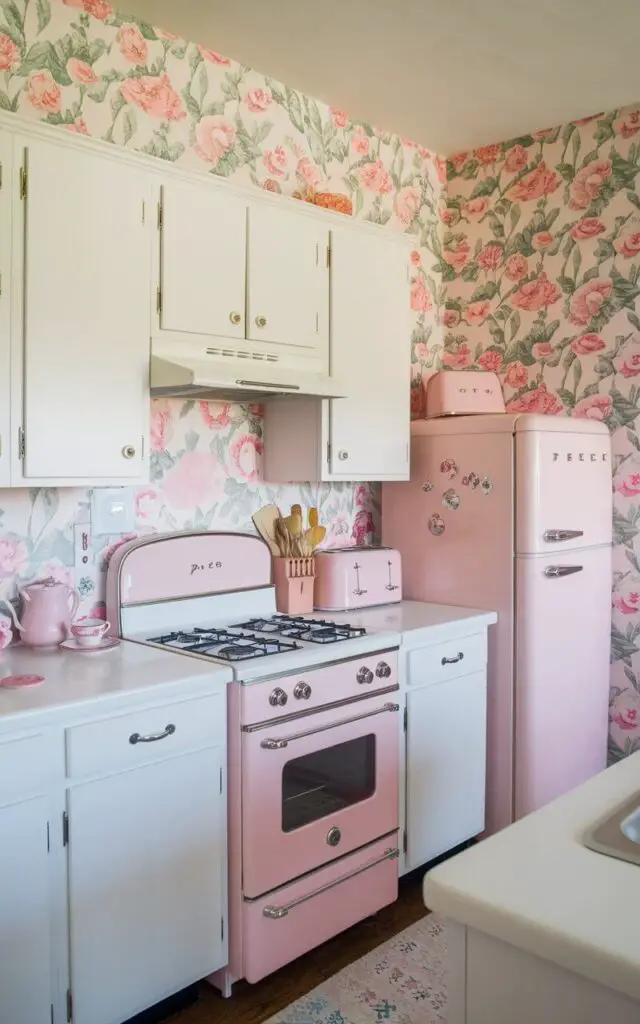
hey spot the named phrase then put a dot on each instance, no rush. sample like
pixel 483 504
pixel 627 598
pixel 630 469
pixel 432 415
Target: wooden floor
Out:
pixel 252 1004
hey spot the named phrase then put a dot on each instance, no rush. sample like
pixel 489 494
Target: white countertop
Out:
pixel 535 886
pixel 126 671
pixel 417 621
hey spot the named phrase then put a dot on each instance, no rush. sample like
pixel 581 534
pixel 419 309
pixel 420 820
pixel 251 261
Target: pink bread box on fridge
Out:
pixel 356 577
pixel 463 393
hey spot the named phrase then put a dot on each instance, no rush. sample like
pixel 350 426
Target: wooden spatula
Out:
pixel 265 521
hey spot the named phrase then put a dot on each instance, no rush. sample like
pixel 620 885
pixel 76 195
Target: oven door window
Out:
pixel 319 784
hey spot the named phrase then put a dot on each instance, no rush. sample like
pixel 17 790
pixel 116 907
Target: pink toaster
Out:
pixel 460 393
pixel 356 577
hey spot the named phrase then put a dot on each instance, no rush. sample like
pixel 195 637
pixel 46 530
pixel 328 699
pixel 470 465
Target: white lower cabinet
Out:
pixel 147 884
pixel 445 765
pixel 25 919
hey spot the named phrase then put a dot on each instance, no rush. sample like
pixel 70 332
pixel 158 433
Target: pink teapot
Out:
pixel 47 610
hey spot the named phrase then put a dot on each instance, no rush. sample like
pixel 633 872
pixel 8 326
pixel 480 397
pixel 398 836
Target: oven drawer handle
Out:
pixel 452 661
pixel 555 536
pixel 554 571
pixel 275 913
pixel 280 744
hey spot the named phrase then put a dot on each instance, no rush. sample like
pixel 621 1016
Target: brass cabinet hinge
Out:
pixel 328 256
pixel 159 300
pixel 160 217
pixel 23 182
pixel 22 446
pixel 69 1006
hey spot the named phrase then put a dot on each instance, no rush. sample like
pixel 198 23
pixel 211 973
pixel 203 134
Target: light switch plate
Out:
pixel 112 510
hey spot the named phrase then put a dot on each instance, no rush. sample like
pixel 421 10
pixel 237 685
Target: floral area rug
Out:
pixel 403 981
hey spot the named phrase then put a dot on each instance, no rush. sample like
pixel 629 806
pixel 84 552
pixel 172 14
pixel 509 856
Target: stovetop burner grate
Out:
pixel 315 631
pixel 224 644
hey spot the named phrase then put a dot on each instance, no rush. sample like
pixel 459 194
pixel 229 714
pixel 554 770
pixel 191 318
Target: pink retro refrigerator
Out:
pixel 514 514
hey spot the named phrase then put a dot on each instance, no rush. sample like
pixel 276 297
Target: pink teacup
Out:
pixel 89 632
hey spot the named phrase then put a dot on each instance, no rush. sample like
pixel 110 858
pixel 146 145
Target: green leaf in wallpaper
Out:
pixel 194 57
pixel 14 22
pixel 633 320
pixel 191 104
pixel 294 106
pixel 567 397
pixel 624 412
pixel 43 12
pixel 566 170
pixel 129 124
pixel 147 31
pixel 9 104
pixel 485 188
pixel 624 528
pixel 625 292
pixel 514 326
pixel 577 260
pixel 43 57
pixel 201 82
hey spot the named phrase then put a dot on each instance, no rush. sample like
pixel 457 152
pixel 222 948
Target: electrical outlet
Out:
pixel 85 569
pixel 112 511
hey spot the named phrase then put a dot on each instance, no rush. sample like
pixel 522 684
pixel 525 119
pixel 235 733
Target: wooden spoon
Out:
pixel 265 520
pixel 283 537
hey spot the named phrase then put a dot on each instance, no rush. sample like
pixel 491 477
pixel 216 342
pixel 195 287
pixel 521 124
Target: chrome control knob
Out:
pixel 302 691
pixel 365 675
pixel 278 697
pixel 383 671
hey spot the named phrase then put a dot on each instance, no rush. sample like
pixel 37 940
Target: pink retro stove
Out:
pixel 312 740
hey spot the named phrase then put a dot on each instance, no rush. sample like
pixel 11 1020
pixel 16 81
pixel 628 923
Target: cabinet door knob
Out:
pixel 261 321
pixel 128 452
pixel 343 454
pixel 235 318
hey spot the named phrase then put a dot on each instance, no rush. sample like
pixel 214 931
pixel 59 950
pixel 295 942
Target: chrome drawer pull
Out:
pixel 554 571
pixel 275 913
pixel 168 730
pixel 553 536
pixel 280 744
pixel 451 661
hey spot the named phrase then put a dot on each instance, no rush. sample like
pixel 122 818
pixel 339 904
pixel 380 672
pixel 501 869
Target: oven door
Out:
pixel 315 787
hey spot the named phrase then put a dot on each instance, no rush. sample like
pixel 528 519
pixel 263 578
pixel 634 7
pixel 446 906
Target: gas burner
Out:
pixel 223 644
pixel 315 631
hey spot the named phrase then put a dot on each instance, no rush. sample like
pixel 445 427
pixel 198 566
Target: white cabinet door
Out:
pixel 147 890
pixel 25 950
pixel 288 283
pixel 5 295
pixel 370 335
pixel 445 765
pixel 202 260
pixel 86 315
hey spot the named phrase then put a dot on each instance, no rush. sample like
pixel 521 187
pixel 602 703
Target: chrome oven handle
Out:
pixel 555 536
pixel 554 571
pixel 280 744
pixel 275 913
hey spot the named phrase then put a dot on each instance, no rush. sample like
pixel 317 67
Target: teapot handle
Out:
pixel 75 601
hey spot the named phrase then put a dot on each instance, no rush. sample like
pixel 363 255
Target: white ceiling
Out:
pixel 450 74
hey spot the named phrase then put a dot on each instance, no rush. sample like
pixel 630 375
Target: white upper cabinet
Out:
pixel 85 323
pixel 201 261
pixel 364 436
pixel 5 295
pixel 288 283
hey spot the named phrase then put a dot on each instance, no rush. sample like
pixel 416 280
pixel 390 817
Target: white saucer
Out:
pixel 105 644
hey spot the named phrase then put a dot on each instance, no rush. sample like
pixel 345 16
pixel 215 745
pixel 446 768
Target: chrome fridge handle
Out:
pixel 275 913
pixel 554 571
pixel 280 744
pixel 554 536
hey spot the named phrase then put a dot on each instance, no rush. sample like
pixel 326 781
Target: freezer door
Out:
pixel 563 488
pixel 563 628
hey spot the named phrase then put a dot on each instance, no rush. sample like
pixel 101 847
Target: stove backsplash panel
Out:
pixel 206 473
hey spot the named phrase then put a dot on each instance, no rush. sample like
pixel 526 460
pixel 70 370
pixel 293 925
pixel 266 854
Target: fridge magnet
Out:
pixel 450 467
pixel 471 480
pixel 451 500
pixel 427 486
pixel 487 485
pixel 436 525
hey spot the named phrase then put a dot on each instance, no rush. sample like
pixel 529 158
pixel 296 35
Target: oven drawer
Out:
pixel 150 734
pixel 288 922
pixel 447 660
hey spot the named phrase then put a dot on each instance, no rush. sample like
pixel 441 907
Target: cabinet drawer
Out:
pixel 23 767
pixel 447 660
pixel 151 734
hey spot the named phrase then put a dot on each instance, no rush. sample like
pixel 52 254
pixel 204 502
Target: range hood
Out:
pixel 201 378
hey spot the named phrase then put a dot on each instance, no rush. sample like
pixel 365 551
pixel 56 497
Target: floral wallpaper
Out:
pixel 79 65
pixel 537 278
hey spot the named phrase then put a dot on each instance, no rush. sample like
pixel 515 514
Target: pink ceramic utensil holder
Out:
pixel 294 579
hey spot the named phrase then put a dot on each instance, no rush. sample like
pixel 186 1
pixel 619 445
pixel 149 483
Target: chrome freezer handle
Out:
pixel 275 913
pixel 555 536
pixel 280 744
pixel 554 571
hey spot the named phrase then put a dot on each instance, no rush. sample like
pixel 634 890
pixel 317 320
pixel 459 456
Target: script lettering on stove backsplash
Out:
pixel 195 567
